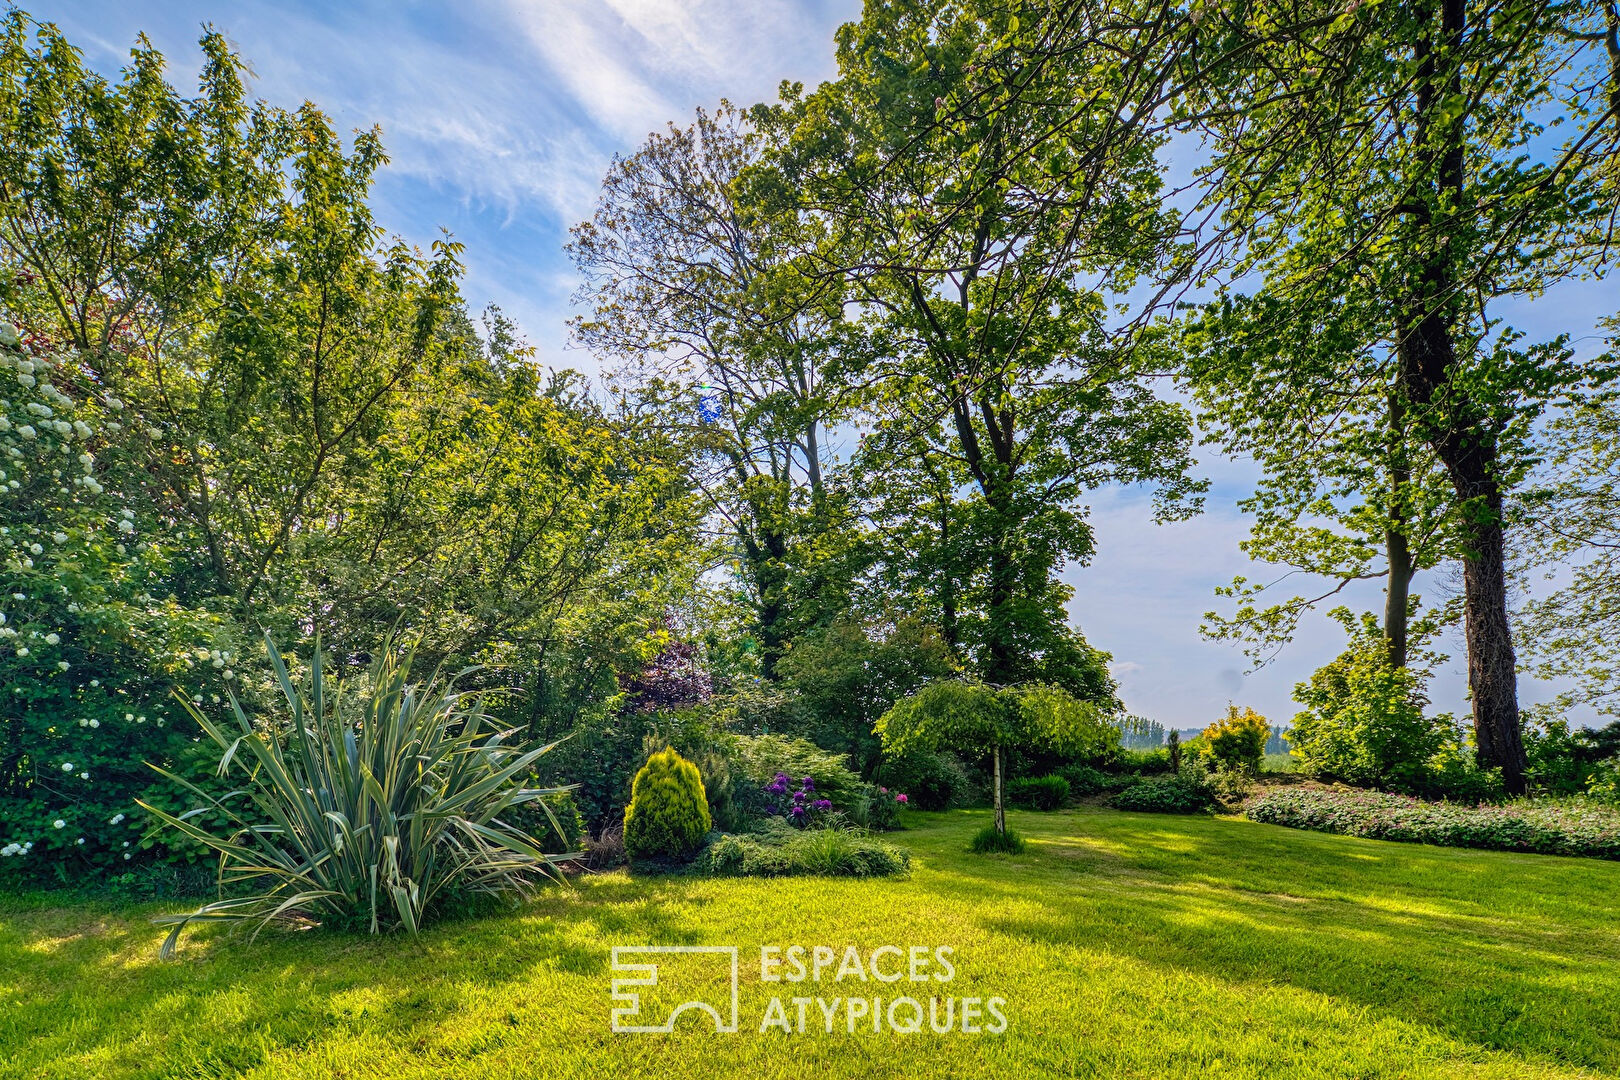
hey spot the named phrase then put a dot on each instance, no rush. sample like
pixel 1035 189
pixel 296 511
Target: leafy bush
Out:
pixel 363 812
pixel 987 841
pixel 1364 721
pixel 883 808
pixel 668 813
pixel 932 780
pixel 1084 780
pixel 1038 792
pixel 761 757
pixel 1146 762
pixel 1454 774
pixel 1565 762
pixel 1238 739
pixel 1226 784
pixel 1565 827
pixel 821 852
pixel 1603 783
pixel 554 820
pixel 1171 795
pixel 92 639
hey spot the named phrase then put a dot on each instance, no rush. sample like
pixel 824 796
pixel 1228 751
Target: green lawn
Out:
pixel 1125 945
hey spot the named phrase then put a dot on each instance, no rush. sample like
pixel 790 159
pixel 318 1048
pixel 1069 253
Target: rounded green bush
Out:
pixel 1175 795
pixel 668 813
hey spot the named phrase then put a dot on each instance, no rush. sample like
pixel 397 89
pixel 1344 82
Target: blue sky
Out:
pixel 501 116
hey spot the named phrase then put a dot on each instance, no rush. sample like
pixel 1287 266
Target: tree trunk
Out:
pixel 1469 453
pixel 1397 594
pixel 1492 677
pixel 1397 549
pixel 1454 425
pixel 947 586
pixel 1001 808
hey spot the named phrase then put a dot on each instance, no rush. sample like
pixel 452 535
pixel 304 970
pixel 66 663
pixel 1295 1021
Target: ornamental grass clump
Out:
pixel 668 815
pixel 364 810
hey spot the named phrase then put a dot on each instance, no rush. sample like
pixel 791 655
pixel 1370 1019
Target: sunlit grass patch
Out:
pixel 1129 945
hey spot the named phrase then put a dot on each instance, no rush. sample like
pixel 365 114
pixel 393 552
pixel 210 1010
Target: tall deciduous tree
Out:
pixel 700 292
pixel 1408 146
pixel 1568 520
pixel 986 254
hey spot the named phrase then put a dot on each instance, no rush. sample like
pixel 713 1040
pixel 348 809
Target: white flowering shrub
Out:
pixel 92 637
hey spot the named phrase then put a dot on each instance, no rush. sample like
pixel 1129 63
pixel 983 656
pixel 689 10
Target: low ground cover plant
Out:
pixel 1551 827
pixel 988 841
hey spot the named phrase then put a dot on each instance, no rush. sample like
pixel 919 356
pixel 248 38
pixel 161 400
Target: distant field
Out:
pixel 1124 945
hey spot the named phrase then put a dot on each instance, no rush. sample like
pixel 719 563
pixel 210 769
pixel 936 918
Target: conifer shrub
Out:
pixel 668 815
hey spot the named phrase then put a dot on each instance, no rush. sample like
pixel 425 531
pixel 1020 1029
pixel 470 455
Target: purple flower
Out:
pixel 809 784
pixel 823 804
pixel 798 811
pixel 771 810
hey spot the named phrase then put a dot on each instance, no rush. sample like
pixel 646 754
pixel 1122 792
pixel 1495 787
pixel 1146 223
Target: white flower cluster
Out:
pixel 15 848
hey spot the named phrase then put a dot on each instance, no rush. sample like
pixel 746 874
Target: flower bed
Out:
pixel 1568 827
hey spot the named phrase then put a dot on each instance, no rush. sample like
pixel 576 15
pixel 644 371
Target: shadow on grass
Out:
pixel 1503 952
pixel 1508 952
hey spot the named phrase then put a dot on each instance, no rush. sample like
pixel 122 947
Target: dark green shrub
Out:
pixel 1084 780
pixel 989 842
pixel 1455 775
pixel 820 852
pixel 1038 792
pixel 883 809
pixel 1565 762
pixel 1580 827
pixel 668 813
pixel 1172 795
pixel 931 781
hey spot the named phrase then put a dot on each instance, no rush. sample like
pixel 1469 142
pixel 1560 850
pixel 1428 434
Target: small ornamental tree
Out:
pixel 669 810
pixel 976 718
pixel 1238 739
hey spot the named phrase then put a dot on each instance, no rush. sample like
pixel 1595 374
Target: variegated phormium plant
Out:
pixel 364 808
